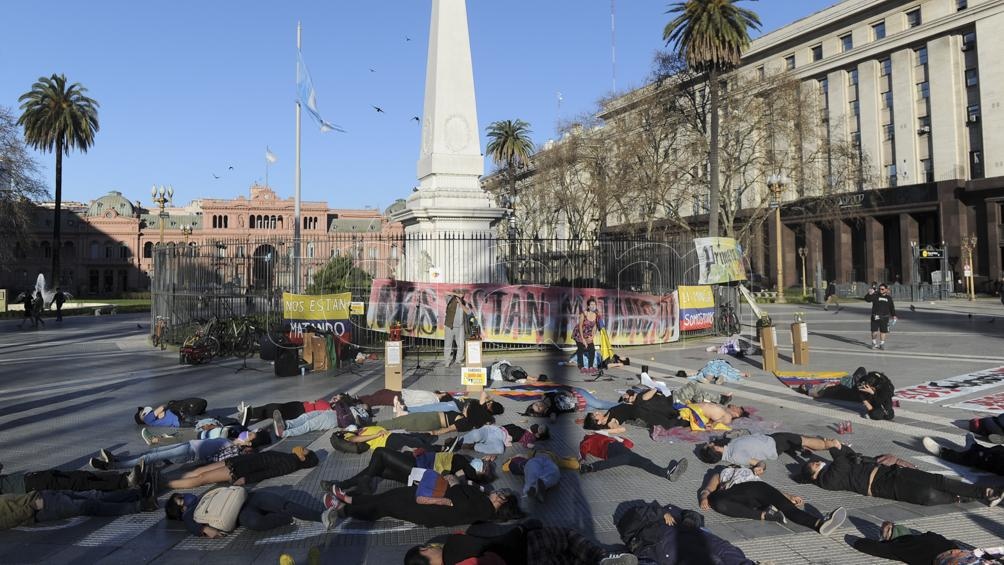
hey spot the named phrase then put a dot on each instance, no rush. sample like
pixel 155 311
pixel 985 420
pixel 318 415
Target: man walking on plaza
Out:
pixel 454 327
pixel 883 309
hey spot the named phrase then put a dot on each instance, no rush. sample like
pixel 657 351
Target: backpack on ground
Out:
pixel 339 443
pixel 220 507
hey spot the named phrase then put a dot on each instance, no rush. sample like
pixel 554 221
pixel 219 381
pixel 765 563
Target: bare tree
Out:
pixel 20 187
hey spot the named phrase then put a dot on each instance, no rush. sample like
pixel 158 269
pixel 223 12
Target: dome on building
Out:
pixel 397 206
pixel 111 201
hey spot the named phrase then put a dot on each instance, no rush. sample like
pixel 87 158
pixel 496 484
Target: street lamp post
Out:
pixel 162 196
pixel 186 230
pixel 801 253
pixel 968 245
pixel 777 183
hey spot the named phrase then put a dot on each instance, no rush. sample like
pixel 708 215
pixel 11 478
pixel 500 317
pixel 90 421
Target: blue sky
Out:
pixel 188 89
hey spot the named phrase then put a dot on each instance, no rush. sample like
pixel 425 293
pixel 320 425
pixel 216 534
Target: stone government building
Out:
pixel 108 244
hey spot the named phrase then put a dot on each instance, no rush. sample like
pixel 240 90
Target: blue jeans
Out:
pixel 60 504
pixel 486 439
pixel 267 510
pixel 593 402
pixel 449 406
pixel 311 422
pixel 179 453
pixel 540 468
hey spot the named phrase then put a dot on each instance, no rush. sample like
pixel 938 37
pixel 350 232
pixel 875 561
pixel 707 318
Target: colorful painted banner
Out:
pixel 936 391
pixel 720 260
pixel 993 403
pixel 697 308
pixel 529 314
pixel 326 312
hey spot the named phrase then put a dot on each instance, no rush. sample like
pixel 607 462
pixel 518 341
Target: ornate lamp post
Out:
pixel 186 230
pixel 777 183
pixel 801 253
pixel 162 196
pixel 968 245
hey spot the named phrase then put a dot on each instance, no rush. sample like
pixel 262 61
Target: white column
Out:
pixel 950 137
pixel 989 47
pixel 904 107
pixel 871 120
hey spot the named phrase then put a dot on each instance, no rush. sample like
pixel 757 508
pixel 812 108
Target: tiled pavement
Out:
pixel 67 392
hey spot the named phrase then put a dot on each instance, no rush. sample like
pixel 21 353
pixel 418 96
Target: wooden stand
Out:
pixel 800 343
pixel 768 342
pixel 473 360
pixel 393 365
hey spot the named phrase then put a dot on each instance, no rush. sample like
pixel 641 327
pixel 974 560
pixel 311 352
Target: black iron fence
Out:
pixel 246 277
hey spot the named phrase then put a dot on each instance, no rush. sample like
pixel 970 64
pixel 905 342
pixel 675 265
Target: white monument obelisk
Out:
pixel 449 219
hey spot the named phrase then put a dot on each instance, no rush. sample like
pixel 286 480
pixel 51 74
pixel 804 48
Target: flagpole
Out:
pixel 266 165
pixel 296 182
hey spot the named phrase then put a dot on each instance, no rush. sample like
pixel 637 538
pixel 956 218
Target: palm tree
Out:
pixel 711 35
pixel 509 145
pixel 57 117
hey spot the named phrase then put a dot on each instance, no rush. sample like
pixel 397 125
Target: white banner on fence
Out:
pixel 990 403
pixel 944 389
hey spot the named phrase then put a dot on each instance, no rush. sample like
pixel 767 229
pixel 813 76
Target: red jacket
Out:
pixel 597 444
pixel 319 404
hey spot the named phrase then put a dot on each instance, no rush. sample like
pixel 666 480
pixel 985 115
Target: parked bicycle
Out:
pixel 727 320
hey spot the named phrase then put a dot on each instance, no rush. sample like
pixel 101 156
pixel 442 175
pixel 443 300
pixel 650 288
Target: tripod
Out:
pixel 418 351
pixel 244 365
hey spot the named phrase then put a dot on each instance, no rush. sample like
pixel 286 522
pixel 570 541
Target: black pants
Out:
pixel 920 487
pixel 749 500
pixel 188 408
pixel 289 410
pixel 385 464
pixel 618 455
pixel 914 548
pixel 585 351
pixel 54 479
pixel 414 440
pixel 266 510
pixel 986 458
pixel 61 504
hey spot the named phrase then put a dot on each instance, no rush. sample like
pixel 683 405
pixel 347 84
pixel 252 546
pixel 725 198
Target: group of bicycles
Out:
pixel 238 336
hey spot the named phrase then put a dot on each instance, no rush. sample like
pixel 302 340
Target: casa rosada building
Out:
pixel 108 245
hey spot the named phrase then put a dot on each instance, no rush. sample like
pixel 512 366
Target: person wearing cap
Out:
pixel 174 414
pixel 455 327
pixel 541 471
pixel 194 451
pixel 260 512
pixel 248 468
pixel 385 463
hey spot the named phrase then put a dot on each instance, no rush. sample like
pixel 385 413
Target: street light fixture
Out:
pixel 968 245
pixel 162 196
pixel 777 183
pixel 801 253
pixel 186 230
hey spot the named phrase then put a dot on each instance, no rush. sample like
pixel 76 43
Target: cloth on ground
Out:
pixel 718 369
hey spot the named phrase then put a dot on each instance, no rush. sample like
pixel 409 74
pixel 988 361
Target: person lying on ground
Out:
pixel 972 455
pixel 989 427
pixel 247 469
pixel 407 397
pixel 204 428
pixel 667 535
pixel 715 371
pixel 690 393
pixel 385 463
pixel 741 493
pixel 886 477
pixel 476 412
pixel 375 436
pixel 194 451
pixel 50 505
pixel 174 414
pixel 248 414
pixel 56 479
pixel 900 543
pixel 541 472
pixel 753 448
pixel 493 440
pixel 615 451
pixel 872 389
pixel 529 543
pixel 261 511
pixel 439 423
pixel 434 502
pixel 655 408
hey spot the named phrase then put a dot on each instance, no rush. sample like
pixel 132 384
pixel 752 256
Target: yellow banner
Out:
pixel 321 307
pixel 696 297
pixel 474 376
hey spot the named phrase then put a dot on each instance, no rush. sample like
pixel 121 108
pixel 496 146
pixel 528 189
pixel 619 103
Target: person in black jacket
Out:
pixel 909 546
pixel 883 310
pixel 396 466
pixel 973 455
pixel 872 389
pixel 460 504
pixel 889 477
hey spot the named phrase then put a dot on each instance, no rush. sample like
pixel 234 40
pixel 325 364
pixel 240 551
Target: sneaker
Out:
pixel 619 559
pixel 725 399
pixel 832 521
pixel 245 413
pixel 538 492
pixel 135 477
pixel 585 468
pixel 99 464
pixel 278 424
pixel 330 518
pixel 875 346
pixel 772 514
pixel 330 501
pixel 994 497
pixel 882 346
pixel 147 436
pixel 676 470
pixel 970 441
pixel 931 446
pixel 339 493
pixel 106 455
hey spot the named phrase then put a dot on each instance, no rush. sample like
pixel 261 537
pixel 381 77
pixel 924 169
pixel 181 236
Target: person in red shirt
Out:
pixel 616 452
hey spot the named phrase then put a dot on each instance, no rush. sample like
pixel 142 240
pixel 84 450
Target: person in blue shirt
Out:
pixel 174 414
pixel 261 511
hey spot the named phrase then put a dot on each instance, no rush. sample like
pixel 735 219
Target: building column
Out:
pixel 994 268
pixel 904 107
pixel 788 250
pixel 908 231
pixel 948 130
pixel 843 252
pixel 953 219
pixel 874 249
pixel 989 46
pixel 814 253
pixel 871 120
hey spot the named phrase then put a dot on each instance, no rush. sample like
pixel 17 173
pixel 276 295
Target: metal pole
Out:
pixel 296 183
pixel 780 256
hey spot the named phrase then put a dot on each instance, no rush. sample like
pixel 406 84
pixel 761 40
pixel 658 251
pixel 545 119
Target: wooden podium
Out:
pixel 768 342
pixel 800 343
pixel 393 365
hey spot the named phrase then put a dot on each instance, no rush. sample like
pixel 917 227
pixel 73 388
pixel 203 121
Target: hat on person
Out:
pixel 146 410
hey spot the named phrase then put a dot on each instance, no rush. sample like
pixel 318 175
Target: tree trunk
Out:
pixel 57 224
pixel 713 201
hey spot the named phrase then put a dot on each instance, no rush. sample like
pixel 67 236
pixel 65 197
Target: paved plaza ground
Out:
pixel 67 391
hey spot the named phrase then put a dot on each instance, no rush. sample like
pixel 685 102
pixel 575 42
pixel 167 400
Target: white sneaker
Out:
pixel 833 521
pixel 931 446
pixel 330 518
pixel 619 559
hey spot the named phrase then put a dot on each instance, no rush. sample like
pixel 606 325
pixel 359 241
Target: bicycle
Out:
pixel 201 346
pixel 159 337
pixel 727 321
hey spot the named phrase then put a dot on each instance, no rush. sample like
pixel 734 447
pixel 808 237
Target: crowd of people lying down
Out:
pixel 432 458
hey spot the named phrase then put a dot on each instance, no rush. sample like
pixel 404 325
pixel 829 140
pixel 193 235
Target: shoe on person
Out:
pixel 619 559
pixel 147 435
pixel 875 346
pixel 585 468
pixel 773 514
pixel 99 464
pixel 106 455
pixel 970 441
pixel 931 446
pixel 245 413
pixel 537 492
pixel 148 500
pixel 832 521
pixel 278 424
pixel 677 470
pixel 882 346
pixel 994 497
pixel 330 517
pixel 725 399
pixel 135 477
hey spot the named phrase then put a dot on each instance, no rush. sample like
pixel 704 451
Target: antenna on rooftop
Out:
pixel 613 44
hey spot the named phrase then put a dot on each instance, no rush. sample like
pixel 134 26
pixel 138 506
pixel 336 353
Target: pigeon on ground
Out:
pixel 913 308
pixel 970 316
pixel 139 327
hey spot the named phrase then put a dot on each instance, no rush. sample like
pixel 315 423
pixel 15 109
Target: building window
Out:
pixel 108 251
pixel 887 99
pixel 890 173
pixel 927 169
pixel 976 164
pixel 886 65
pixel 852 77
pixel 878 31
pixel 972 77
pixel 968 40
pixel 789 62
pixel 817 53
pixel 920 56
pixel 856 139
pixel 961 5
pixel 148 250
pixel 760 73
pixel 855 108
pixel 123 251
pixel 888 132
pixel 846 43
pixel 226 221
pixel 924 90
pixel 973 113
pixel 924 124
pixel 913 18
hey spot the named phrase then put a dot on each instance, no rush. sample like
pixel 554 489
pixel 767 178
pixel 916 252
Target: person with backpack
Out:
pixel 208 516
pixel 883 311
pixel 667 535
pixel 175 414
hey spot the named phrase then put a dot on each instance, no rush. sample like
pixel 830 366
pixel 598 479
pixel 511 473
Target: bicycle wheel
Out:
pixel 212 346
pixel 244 342
pixel 732 323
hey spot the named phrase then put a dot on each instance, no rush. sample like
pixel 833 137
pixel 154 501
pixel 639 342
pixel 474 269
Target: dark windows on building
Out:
pixel 886 65
pixel 846 43
pixel 887 99
pixel 961 5
pixel 972 77
pixel 923 90
pixel 888 132
pixel 968 40
pixel 789 62
pixel 878 30
pixel 817 53
pixel 920 56
pixel 913 18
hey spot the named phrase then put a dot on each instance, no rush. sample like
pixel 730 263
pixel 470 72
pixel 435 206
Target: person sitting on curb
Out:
pixel 397 466
pixel 872 389
pixel 616 452
pixel 887 477
pixel 753 448
pixel 50 505
pixel 247 469
pixel 194 451
pixel 174 414
pixel 972 455
pixel 899 543
pixel 741 493
pixel 57 479
pixel 667 535
pixel 261 511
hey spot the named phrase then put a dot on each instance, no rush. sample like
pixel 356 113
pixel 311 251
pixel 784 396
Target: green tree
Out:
pixel 341 275
pixel 711 35
pixel 20 187
pixel 58 117
pixel 510 146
